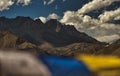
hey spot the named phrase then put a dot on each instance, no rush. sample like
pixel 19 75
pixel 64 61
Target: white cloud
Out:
pixel 5 4
pixel 110 15
pixel 109 38
pixel 53 16
pixel 43 19
pixel 44 2
pixel 94 5
pixel 91 26
pixel 70 16
pixel 24 2
pixel 63 0
pixel 50 16
pixel 48 2
pixel 117 18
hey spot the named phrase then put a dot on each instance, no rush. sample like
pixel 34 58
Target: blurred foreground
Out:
pixel 21 64
pixel 102 65
pixel 27 64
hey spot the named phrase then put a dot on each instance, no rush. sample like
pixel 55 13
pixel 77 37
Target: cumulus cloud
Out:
pixel 95 4
pixel 43 19
pixel 5 4
pixel 91 26
pixel 109 38
pixel 117 18
pixel 98 28
pixel 53 16
pixel 110 15
pixel 70 16
pixel 50 16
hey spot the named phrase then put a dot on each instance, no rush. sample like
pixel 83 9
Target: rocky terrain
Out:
pixel 112 49
pixel 23 33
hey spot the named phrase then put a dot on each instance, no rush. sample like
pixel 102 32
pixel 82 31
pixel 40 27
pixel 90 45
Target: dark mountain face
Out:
pixel 9 41
pixel 50 38
pixel 117 41
pixel 52 31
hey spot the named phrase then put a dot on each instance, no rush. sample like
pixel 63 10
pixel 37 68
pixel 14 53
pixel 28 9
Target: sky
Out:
pixel 36 8
pixel 99 19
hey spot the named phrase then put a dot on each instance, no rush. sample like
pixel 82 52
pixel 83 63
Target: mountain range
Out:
pixel 52 37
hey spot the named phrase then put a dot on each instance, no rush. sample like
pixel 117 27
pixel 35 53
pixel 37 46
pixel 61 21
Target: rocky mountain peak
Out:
pixel 52 31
